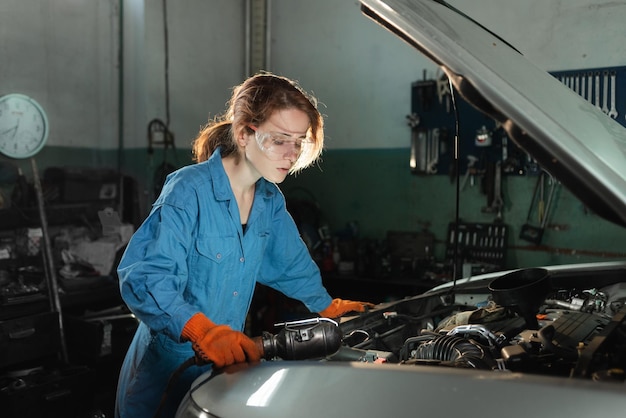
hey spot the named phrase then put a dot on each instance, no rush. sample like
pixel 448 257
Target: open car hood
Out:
pixel 567 135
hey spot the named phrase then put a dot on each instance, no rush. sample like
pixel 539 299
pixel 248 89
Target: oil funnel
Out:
pixel 523 291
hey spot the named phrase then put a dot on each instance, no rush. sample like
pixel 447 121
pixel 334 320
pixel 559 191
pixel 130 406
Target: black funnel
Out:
pixel 523 291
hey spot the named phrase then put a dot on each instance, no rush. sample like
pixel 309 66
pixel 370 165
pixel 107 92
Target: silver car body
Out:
pixel 307 389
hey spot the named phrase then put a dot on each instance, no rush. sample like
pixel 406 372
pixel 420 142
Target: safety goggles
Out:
pixel 278 146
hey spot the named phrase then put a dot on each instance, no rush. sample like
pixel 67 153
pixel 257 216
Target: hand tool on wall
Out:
pixel 605 92
pixel 418 151
pixel 425 148
pixel 498 202
pixel 596 100
pixel 613 110
pixel 413 121
pixel 530 232
pixel 493 189
pixel 432 148
pixel 471 162
pixel 582 91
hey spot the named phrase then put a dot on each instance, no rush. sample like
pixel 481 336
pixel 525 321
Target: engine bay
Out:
pixel 524 322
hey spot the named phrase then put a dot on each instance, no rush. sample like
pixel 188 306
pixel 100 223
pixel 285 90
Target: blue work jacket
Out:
pixel 192 255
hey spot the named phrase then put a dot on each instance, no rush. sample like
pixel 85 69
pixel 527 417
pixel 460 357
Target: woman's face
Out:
pixel 276 144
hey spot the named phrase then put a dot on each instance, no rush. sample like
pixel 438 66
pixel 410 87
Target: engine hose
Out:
pixel 455 350
pixel 299 340
pixel 410 343
pixel 173 378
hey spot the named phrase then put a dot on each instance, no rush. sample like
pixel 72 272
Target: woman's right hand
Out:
pixel 219 344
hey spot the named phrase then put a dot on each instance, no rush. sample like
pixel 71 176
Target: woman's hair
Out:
pixel 252 103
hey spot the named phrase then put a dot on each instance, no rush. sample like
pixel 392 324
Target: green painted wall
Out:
pixel 376 189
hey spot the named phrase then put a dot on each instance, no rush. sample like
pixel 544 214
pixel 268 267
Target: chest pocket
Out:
pixel 217 249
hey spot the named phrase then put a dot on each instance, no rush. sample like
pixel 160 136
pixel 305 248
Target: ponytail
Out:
pixel 211 136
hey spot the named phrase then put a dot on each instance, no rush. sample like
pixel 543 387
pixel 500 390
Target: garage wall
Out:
pixel 66 54
pixel 363 75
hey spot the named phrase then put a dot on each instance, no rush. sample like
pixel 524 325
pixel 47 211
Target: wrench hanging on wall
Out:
pixel 613 110
pixel 425 149
pixel 531 232
pixel 433 151
pixel 493 189
pixel 597 87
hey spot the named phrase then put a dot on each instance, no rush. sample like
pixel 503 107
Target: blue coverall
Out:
pixel 191 255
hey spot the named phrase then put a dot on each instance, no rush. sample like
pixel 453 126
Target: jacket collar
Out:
pixel 221 184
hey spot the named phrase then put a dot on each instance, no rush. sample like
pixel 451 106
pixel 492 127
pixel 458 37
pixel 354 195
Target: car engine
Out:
pixel 522 324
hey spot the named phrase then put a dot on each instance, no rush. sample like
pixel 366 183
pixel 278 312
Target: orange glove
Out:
pixel 339 307
pixel 219 344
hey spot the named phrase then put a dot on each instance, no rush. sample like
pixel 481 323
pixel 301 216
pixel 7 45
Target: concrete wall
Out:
pixel 67 55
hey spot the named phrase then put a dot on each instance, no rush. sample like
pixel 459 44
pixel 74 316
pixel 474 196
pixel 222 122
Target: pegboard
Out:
pixel 482 143
pixel 600 87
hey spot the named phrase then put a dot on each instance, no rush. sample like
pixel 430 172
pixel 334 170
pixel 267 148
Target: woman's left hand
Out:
pixel 339 307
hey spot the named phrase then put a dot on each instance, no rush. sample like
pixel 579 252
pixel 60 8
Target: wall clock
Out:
pixel 23 126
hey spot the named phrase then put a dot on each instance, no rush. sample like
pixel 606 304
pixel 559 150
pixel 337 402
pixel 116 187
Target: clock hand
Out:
pixel 14 129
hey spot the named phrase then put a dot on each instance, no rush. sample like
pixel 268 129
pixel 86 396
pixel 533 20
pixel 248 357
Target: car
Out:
pixel 539 341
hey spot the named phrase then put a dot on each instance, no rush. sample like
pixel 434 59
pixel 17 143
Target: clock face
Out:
pixel 23 126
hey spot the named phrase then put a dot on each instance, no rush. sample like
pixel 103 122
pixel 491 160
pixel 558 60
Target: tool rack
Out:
pixel 603 87
pixel 432 123
pixel 478 243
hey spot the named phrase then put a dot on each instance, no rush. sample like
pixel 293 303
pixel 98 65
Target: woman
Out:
pixel 217 228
